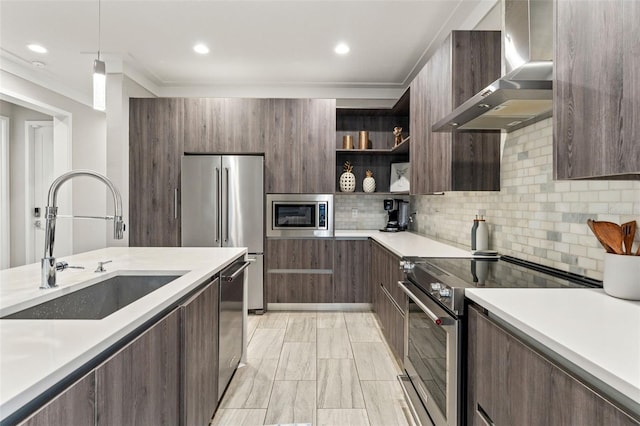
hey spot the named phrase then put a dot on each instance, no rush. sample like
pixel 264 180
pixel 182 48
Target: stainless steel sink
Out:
pixel 96 301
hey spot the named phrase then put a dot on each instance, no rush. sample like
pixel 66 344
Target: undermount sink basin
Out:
pixel 96 301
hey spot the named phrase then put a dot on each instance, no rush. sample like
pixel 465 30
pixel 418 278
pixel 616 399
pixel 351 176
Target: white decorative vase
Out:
pixel 369 184
pixel 347 182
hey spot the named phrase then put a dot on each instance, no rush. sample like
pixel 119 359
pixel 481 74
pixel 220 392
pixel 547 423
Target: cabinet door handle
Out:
pixel 175 203
pixel 484 417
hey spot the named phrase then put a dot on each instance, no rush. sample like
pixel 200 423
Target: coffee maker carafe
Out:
pixel 398 213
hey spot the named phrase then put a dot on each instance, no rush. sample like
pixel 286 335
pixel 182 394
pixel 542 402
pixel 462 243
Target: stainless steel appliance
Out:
pixel 398 213
pixel 434 323
pixel 230 326
pixel 223 206
pixel 299 215
pixel 524 94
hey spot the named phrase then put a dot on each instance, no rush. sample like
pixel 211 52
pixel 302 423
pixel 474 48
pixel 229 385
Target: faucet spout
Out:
pixel 51 212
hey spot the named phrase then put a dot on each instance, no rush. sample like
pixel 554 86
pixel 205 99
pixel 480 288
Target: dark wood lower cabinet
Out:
pixel 392 323
pixel 140 384
pixel 199 320
pixel 299 270
pixel 74 406
pixel 388 300
pixel 511 384
pixel 299 288
pixel 167 375
pixel 299 253
pixel 351 264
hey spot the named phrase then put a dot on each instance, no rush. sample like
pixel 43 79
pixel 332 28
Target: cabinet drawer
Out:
pixel 512 384
pixel 300 253
pixel 299 288
pixel 391 322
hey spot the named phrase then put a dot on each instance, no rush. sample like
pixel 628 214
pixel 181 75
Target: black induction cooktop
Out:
pixel 506 272
pixel 445 279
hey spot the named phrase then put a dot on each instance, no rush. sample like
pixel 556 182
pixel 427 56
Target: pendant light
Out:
pixel 99 77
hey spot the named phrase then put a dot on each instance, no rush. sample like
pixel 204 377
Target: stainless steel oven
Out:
pixel 299 215
pixel 432 361
pixel 434 324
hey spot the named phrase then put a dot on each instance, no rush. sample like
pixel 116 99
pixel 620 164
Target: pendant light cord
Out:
pixel 99 20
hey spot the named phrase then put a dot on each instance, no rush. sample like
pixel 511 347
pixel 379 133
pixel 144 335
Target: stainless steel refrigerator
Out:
pixel 223 206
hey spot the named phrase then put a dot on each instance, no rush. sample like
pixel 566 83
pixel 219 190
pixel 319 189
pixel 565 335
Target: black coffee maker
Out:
pixel 398 212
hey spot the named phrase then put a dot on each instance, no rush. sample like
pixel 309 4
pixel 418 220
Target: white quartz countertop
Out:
pixel 407 243
pixel 598 333
pixel 37 354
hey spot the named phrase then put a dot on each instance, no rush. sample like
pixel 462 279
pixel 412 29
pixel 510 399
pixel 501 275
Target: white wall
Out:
pixel 89 151
pixel 18 178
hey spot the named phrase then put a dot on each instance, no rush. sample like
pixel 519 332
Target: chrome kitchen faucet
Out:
pixel 51 213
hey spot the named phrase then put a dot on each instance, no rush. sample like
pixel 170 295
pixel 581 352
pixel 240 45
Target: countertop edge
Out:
pixel 599 372
pixel 25 396
pixel 424 246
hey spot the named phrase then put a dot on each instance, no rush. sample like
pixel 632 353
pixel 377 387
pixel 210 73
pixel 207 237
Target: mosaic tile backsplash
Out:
pixel 532 217
pixel 370 213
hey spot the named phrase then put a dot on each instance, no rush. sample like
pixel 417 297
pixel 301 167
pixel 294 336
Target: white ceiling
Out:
pixel 257 47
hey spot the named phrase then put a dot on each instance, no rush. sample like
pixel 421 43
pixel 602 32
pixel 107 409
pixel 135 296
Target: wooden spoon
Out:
pixel 606 246
pixel 611 234
pixel 628 233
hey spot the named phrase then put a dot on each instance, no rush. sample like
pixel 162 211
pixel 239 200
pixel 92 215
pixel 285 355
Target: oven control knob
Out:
pixel 445 292
pixel 435 286
pixel 407 266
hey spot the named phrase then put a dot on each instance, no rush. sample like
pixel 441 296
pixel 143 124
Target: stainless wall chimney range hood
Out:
pixel 524 94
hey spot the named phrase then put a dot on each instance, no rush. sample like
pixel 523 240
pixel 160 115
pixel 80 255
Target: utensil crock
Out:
pixel 622 276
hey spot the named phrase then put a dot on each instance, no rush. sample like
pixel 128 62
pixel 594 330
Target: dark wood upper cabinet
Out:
pixel 300 145
pixel 155 147
pixel 296 137
pixel 467 62
pixel 225 125
pixel 597 89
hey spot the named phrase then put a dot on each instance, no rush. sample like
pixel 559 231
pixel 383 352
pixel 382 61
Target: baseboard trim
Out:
pixel 346 307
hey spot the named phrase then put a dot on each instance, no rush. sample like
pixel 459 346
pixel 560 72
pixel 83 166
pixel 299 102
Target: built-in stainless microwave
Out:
pixel 299 215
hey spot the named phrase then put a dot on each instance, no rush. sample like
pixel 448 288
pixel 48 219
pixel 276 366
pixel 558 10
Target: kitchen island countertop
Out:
pixel 37 354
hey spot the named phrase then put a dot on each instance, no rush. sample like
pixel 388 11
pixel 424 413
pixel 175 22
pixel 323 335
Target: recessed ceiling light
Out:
pixel 201 48
pixel 36 48
pixel 341 49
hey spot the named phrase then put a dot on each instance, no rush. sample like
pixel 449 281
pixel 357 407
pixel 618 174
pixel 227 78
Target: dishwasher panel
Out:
pixel 230 323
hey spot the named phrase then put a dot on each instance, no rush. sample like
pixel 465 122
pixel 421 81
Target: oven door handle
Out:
pixel 436 319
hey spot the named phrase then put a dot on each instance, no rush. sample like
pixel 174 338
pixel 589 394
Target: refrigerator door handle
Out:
pixel 217 219
pixel 226 219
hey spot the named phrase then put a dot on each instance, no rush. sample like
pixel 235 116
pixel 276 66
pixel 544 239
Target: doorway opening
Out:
pixel 39 146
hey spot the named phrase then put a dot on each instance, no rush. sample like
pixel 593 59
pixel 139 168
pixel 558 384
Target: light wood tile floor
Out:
pixel 308 368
